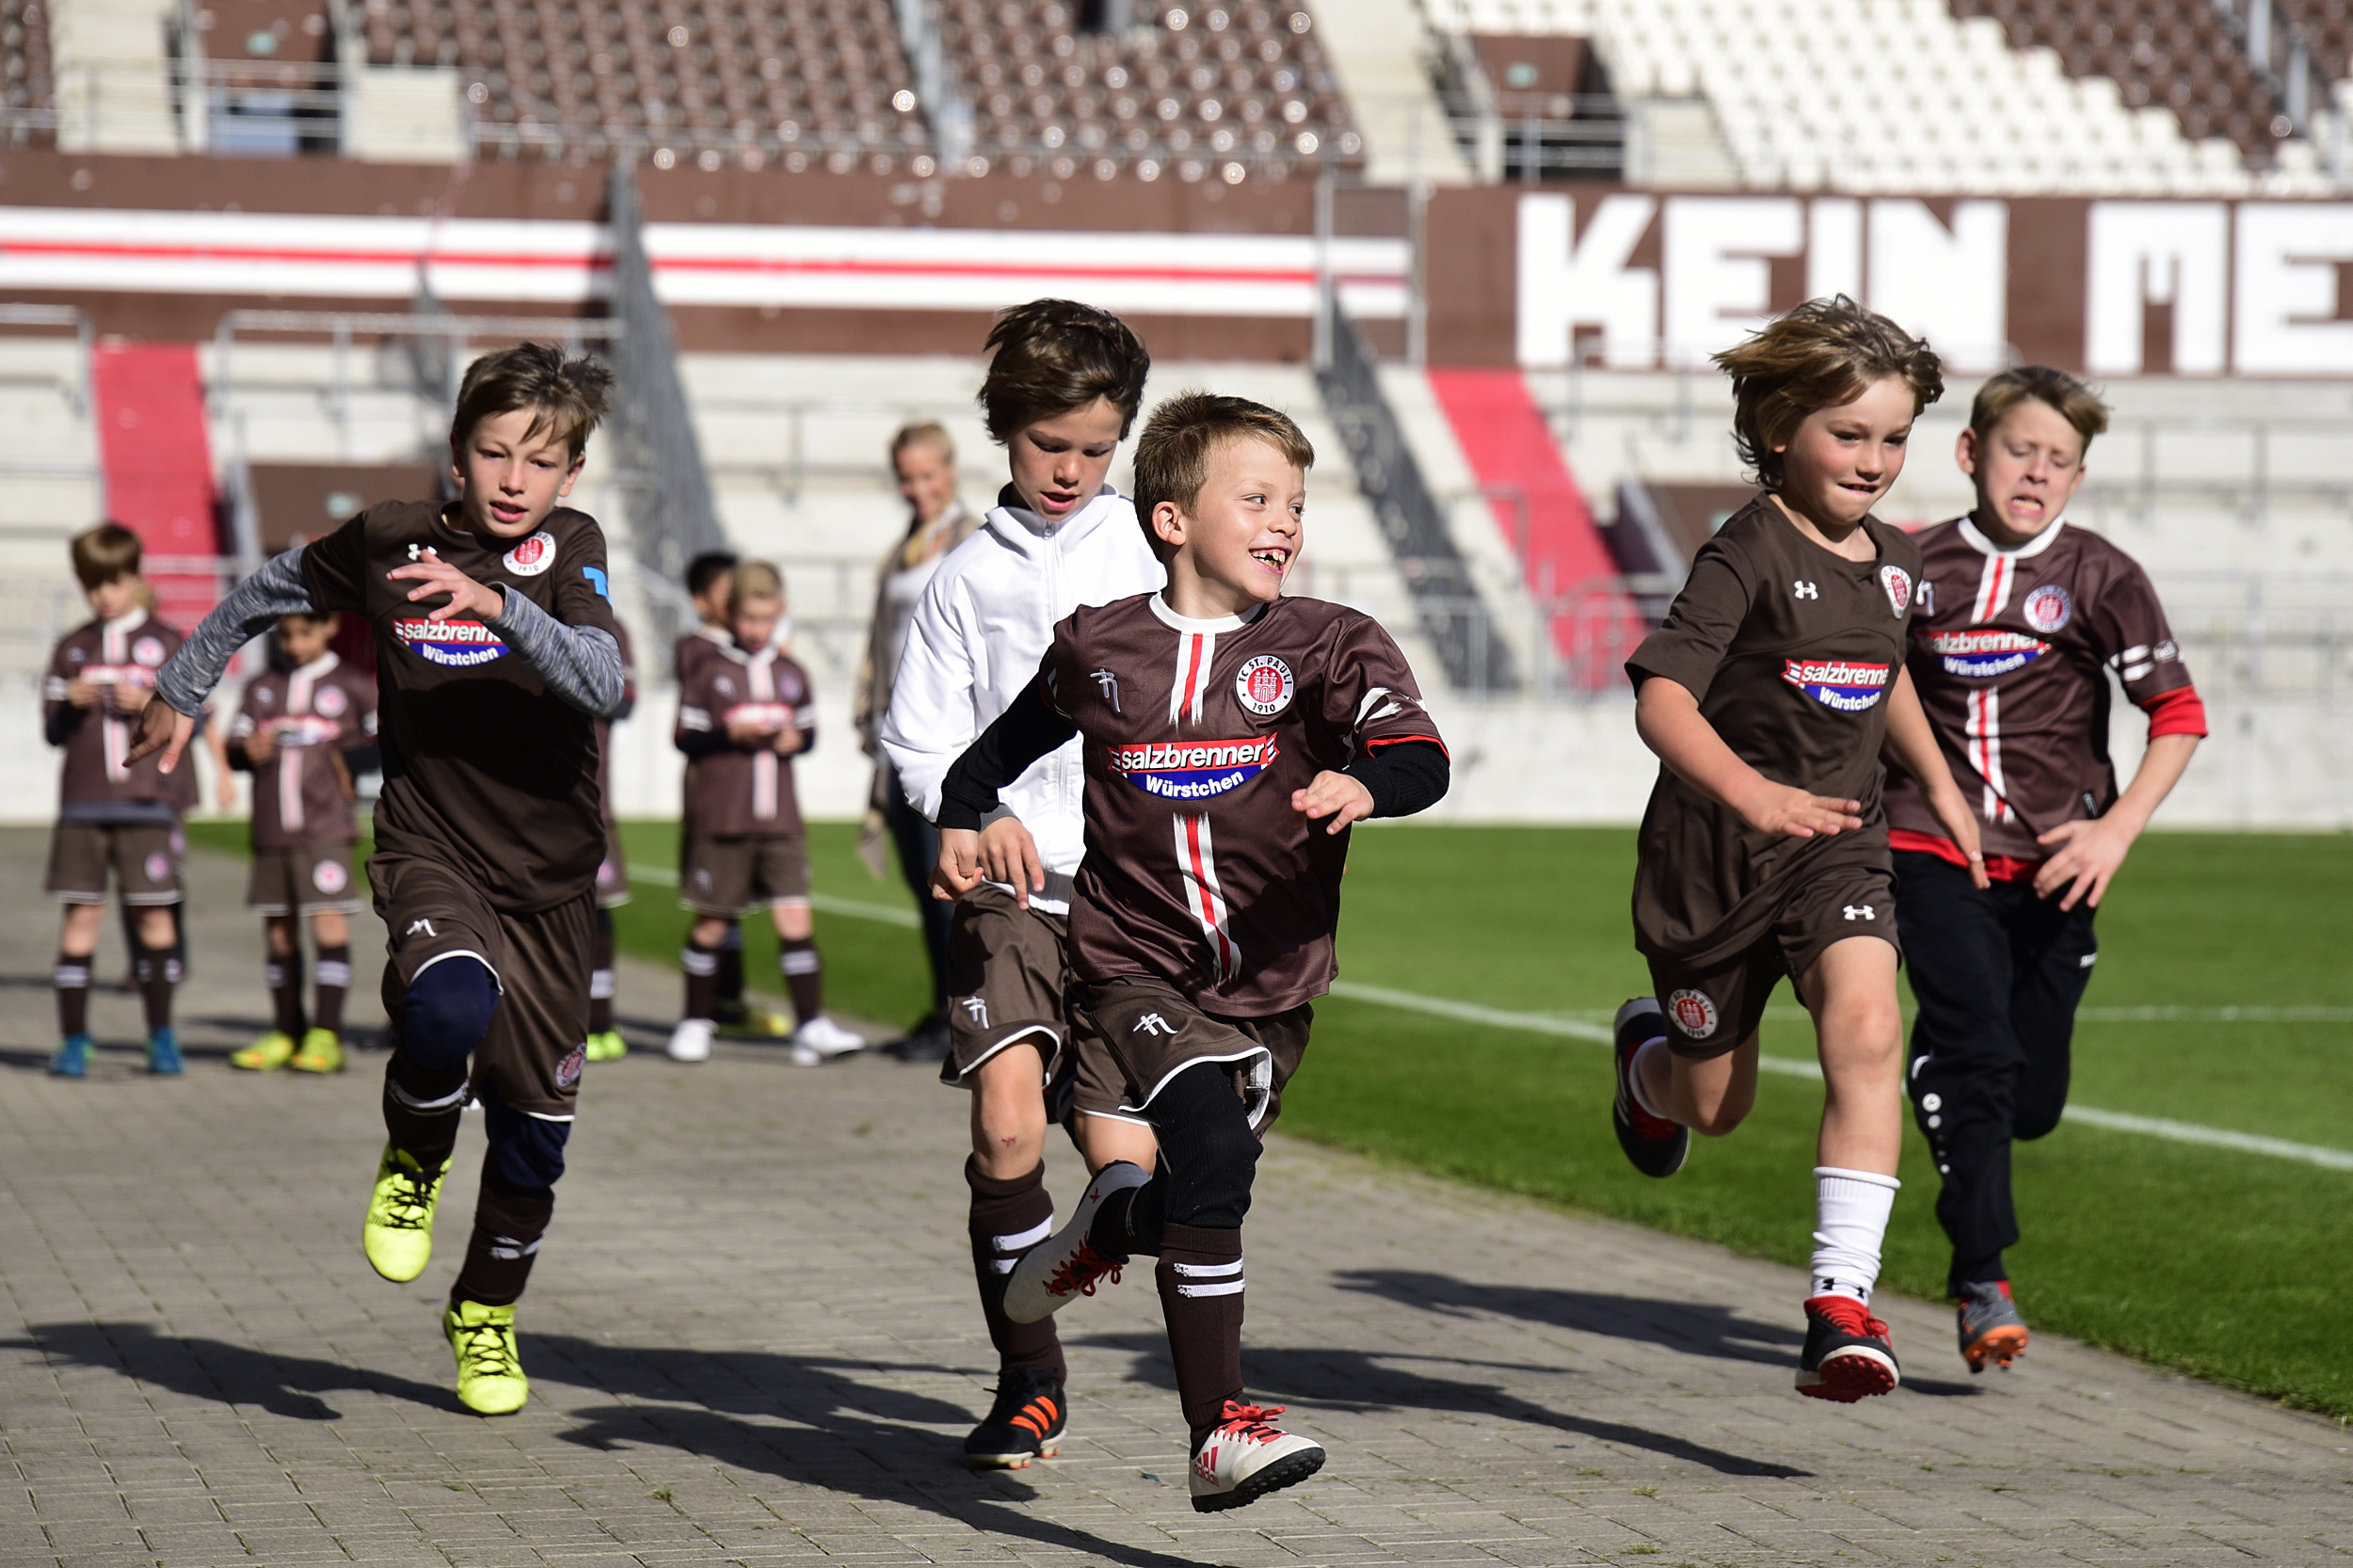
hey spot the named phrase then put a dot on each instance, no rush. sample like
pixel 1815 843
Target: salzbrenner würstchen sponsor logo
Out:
pixel 1192 770
pixel 456 643
pixel 1840 684
pixel 1983 655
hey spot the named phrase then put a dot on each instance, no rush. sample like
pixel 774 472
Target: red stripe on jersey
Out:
pixel 2179 711
pixel 1191 701
pixel 1402 739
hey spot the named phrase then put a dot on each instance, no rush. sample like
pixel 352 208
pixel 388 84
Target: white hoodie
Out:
pixel 983 626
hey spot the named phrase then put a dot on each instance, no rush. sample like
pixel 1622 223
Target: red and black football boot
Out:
pixel 1656 1146
pixel 1846 1355
pixel 1990 1329
pixel 1026 1422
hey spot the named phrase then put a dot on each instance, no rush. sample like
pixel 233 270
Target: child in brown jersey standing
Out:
pixel 2021 619
pixel 1767 695
pixel 305 731
pixel 708 580
pixel 493 615
pixel 115 812
pixel 1064 385
pixel 744 713
pixel 1230 736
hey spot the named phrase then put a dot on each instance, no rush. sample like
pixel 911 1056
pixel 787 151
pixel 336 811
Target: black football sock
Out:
pixel 1007 1218
pixel 702 964
pixel 1131 1221
pixel 731 973
pixel 804 975
pixel 157 971
pixel 421 1108
pixel 333 978
pixel 284 979
pixel 509 1223
pixel 1201 1289
pixel 72 978
pixel 600 977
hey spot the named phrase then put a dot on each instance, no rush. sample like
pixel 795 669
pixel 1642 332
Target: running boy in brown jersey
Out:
pixel 745 711
pixel 494 621
pixel 116 813
pixel 305 731
pixel 1767 695
pixel 2021 619
pixel 1230 737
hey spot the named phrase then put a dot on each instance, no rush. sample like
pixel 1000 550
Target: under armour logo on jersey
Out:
pixel 1860 912
pixel 425 926
pixel 978 1008
pixel 1108 684
pixel 1925 597
pixel 1152 1023
pixel 1807 591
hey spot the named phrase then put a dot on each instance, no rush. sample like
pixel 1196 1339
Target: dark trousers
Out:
pixel 1997 974
pixel 918 852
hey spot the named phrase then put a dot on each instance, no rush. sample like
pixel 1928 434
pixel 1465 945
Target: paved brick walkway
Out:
pixel 751 1341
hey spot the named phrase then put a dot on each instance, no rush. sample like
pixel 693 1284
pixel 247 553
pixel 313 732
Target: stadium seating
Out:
pixel 30 96
pixel 1226 86
pixel 2011 96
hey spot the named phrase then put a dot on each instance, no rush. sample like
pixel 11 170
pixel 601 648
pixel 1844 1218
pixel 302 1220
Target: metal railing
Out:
pixel 77 389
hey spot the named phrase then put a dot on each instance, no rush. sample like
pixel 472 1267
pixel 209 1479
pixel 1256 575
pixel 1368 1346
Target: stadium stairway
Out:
pixel 157 459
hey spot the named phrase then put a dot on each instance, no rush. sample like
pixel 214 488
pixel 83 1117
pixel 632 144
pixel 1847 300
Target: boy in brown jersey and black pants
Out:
pixel 305 731
pixel 1230 736
pixel 745 711
pixel 2021 619
pixel 116 813
pixel 1767 695
pixel 494 621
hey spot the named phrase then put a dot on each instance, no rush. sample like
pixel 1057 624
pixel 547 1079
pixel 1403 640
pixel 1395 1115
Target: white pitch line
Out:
pixel 1577 1029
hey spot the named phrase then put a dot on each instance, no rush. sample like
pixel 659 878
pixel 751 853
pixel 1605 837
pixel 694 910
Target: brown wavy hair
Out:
pixel 2074 402
pixel 567 398
pixel 1824 354
pixel 1051 355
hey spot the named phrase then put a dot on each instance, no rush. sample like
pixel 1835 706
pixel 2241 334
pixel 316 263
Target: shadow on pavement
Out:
pixel 1358 1380
pixel 211 1369
pixel 810 1422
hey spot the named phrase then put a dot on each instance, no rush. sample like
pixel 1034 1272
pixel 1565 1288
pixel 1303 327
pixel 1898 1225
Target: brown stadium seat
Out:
pixel 28 94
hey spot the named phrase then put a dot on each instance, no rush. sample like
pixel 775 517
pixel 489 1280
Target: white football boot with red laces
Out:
pixel 1066 1265
pixel 1248 1457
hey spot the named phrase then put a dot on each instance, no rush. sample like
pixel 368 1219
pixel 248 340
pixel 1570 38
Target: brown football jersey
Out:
pixel 1197 870
pixel 2010 651
pixel 95 785
pixel 485 771
pixel 311 714
pixel 1790 650
pixel 730 792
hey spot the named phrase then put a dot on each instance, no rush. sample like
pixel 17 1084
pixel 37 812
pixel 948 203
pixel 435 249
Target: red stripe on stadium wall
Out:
pixel 1509 445
pixel 155 453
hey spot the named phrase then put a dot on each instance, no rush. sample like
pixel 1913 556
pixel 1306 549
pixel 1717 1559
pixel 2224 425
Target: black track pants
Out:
pixel 1997 974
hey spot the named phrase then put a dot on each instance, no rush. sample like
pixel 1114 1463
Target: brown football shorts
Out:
pixel 144 858
pixel 1712 1007
pixel 1143 1033
pixel 1008 973
pixel 613 875
pixel 735 876
pixel 536 1051
pixel 312 881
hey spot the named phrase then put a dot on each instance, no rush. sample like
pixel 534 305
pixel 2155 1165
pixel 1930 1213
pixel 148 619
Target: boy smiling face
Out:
pixel 1238 541
pixel 510 476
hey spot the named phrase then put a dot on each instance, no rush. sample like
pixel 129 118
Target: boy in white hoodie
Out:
pixel 1064 385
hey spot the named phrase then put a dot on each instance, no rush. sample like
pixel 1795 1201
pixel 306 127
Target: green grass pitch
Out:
pixel 2230 1266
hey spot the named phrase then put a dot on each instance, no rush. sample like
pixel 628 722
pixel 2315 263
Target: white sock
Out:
pixel 1851 1211
pixel 1641 1095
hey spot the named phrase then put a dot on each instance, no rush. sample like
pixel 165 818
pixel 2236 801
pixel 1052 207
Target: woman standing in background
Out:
pixel 923 458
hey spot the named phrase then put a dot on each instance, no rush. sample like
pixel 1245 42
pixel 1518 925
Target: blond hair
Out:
pixel 1824 354
pixel 2075 403
pixel 754 580
pixel 917 434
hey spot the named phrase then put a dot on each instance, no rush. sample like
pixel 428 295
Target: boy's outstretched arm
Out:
pixel 1668 718
pixel 2088 852
pixel 1913 738
pixel 968 796
pixel 189 676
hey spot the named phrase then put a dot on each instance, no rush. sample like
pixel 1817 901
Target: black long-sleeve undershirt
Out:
pixel 1403 778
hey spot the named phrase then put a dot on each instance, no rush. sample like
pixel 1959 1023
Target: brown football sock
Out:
pixel 157 972
pixel 1007 1218
pixel 509 1223
pixel 702 964
pixel 72 978
pixel 600 977
pixel 422 1109
pixel 284 978
pixel 333 981
pixel 804 975
pixel 1200 1280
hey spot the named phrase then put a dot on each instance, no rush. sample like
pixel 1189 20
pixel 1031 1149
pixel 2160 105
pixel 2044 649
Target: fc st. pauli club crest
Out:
pixel 1264 685
pixel 1898 582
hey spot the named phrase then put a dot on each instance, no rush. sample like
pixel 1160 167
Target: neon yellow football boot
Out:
pixel 322 1053
pixel 607 1047
pixel 398 1235
pixel 265 1055
pixel 490 1379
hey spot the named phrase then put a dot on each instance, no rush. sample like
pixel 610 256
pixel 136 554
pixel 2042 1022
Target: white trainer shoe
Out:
pixel 1248 1457
pixel 826 1038
pixel 1066 1265
pixel 691 1040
